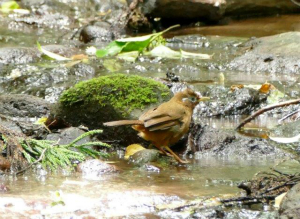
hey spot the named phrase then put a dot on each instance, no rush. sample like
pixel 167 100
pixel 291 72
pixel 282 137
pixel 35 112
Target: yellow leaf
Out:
pixel 278 200
pixel 132 149
pixel 41 121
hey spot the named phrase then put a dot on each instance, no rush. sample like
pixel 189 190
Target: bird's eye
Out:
pixel 193 99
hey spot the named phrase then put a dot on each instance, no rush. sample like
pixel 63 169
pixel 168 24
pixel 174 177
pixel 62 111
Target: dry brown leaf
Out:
pixel 79 57
pixel 236 87
pixel 266 87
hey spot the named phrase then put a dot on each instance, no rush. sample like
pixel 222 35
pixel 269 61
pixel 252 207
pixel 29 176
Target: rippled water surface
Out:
pixel 133 190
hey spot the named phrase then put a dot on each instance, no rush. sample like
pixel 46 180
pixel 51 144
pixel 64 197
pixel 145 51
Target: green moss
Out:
pixel 123 92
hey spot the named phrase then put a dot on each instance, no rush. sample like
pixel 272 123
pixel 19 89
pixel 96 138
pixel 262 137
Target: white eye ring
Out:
pixel 191 99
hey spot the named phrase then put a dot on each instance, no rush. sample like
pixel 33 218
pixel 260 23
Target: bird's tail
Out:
pixel 124 122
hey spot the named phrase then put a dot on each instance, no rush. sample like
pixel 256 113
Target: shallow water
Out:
pixel 255 27
pixel 133 190
pixel 136 191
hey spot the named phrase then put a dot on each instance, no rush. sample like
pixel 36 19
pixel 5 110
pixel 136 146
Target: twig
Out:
pixel 295 2
pixel 35 162
pixel 288 183
pixel 288 115
pixel 249 198
pixel 281 173
pixel 265 109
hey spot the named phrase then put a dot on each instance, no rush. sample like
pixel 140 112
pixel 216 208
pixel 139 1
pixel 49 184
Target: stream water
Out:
pixel 135 192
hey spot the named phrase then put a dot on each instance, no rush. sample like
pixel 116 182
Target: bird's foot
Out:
pixel 176 157
pixel 183 161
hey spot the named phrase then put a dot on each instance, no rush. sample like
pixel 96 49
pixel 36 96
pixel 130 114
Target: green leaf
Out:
pixel 112 49
pixel 137 39
pixel 129 56
pixel 146 37
pixel 138 46
pixel 130 44
pixel 41 121
pixel 274 96
pixel 51 54
pixel 9 6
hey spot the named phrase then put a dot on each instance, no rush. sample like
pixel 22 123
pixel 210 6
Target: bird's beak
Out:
pixel 203 99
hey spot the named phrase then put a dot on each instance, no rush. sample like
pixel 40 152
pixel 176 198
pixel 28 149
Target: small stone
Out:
pixel 144 157
pixel 3 188
pixel 95 168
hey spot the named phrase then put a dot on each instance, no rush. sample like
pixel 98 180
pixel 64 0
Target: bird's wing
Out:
pixel 163 126
pixel 163 117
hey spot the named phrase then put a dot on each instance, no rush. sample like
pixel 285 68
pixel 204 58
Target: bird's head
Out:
pixel 190 98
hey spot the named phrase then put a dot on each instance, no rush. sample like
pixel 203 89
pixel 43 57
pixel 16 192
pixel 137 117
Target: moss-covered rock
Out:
pixel 125 93
pixel 108 98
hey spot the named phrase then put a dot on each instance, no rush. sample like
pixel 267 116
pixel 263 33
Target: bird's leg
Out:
pixel 175 156
pixel 162 150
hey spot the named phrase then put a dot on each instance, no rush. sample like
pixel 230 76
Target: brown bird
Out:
pixel 167 123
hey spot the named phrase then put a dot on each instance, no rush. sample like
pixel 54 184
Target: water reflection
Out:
pixel 257 27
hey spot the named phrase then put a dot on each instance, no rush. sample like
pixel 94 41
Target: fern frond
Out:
pixel 93 132
pixel 56 155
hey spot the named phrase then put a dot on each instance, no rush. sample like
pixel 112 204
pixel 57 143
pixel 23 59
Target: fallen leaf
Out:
pixel 51 54
pixel 128 56
pixel 41 121
pixel 266 87
pixel 166 52
pixel 286 140
pixel 132 149
pixel 9 6
pixel 278 200
pixel 221 78
pixel 236 87
pixel 79 57
pixel 193 55
pixel 130 44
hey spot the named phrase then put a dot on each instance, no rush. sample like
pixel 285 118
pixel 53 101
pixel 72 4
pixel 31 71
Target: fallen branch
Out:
pixel 265 109
pixel 295 2
pixel 288 183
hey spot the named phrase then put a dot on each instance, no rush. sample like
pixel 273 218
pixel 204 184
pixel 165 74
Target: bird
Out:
pixel 164 125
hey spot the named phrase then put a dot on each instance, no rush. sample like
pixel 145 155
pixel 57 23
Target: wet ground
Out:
pixel 136 191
